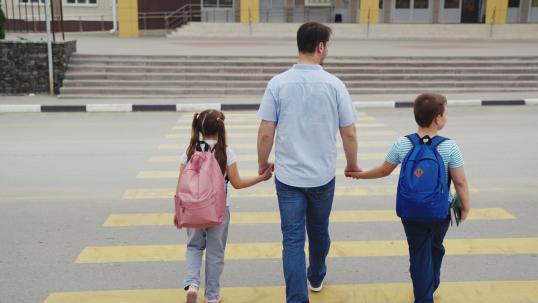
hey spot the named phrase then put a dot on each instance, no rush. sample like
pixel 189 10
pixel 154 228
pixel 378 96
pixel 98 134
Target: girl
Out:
pixel 210 124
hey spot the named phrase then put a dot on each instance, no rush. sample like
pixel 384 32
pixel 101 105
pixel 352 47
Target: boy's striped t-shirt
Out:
pixel 448 149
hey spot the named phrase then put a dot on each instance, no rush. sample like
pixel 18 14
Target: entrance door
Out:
pixel 533 11
pixel 513 11
pixel 411 11
pixel 469 11
pixel 451 11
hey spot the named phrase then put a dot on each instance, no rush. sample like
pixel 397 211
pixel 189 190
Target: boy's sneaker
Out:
pixel 192 294
pixel 315 289
pixel 218 300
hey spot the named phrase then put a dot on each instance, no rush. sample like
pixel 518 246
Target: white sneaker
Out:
pixel 218 300
pixel 192 294
pixel 315 289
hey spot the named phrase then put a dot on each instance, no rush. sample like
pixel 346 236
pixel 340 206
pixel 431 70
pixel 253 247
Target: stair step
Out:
pixel 262 84
pixel 182 92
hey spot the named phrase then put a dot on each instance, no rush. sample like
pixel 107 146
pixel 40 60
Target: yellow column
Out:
pixel 498 10
pixel 250 11
pixel 128 18
pixel 369 12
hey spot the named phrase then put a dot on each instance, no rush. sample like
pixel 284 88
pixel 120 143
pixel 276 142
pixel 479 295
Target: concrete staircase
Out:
pixel 97 76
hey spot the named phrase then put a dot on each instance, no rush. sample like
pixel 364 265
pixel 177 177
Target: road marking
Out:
pixel 449 292
pixel 186 136
pixel 165 219
pixel 264 250
pixel 254 126
pixel 252 145
pixel 231 121
pixel 168 193
pixel 254 158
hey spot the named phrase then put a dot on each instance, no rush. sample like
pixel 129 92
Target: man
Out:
pixel 306 106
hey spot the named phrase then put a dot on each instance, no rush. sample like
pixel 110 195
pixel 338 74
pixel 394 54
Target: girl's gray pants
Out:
pixel 213 240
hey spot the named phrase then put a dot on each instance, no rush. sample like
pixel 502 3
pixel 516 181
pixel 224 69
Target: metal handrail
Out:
pixel 182 15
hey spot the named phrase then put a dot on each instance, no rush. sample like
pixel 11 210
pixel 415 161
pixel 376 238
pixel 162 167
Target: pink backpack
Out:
pixel 200 199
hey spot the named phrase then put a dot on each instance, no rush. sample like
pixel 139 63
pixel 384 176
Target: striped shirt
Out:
pixel 448 149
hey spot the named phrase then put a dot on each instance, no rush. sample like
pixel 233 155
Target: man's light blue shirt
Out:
pixel 309 105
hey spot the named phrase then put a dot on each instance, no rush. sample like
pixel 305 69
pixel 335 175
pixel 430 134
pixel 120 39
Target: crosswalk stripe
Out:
pixel 448 292
pixel 244 120
pixel 261 192
pixel 255 127
pixel 264 250
pixel 251 115
pixel 236 135
pixel 254 158
pixel 171 174
pixel 252 145
pixel 337 216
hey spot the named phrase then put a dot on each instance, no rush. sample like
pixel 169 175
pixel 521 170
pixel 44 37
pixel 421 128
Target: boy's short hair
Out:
pixel 427 106
pixel 310 35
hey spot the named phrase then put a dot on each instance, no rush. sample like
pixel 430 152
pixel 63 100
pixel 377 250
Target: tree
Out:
pixel 2 24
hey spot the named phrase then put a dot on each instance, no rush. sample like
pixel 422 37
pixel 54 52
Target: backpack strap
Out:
pixel 206 146
pixel 414 138
pixel 438 140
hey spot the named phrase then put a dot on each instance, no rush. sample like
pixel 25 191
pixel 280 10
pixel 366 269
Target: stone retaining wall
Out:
pixel 24 66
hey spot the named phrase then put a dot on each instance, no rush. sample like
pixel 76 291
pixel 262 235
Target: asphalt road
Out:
pixel 62 175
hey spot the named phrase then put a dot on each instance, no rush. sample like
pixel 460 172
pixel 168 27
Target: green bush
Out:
pixel 2 24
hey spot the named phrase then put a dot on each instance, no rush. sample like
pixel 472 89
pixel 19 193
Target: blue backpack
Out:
pixel 423 185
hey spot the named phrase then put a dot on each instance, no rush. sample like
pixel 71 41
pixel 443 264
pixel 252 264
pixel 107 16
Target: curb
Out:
pixel 189 107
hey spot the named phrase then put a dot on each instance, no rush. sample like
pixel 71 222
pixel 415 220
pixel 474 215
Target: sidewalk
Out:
pixel 106 43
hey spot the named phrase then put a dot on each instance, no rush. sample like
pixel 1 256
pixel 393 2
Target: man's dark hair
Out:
pixel 310 35
pixel 427 106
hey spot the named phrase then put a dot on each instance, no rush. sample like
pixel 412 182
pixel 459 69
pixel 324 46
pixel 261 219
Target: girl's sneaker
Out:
pixel 215 300
pixel 192 294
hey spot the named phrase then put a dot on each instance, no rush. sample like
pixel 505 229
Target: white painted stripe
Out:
pixel 374 104
pixel 531 101
pixel 464 102
pixel 109 108
pixel 189 107
pixel 20 108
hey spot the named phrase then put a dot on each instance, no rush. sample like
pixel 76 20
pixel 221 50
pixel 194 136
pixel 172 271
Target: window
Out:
pixel 380 4
pixel 403 4
pixel 82 2
pixel 226 3
pixel 534 3
pixel 421 4
pixel 513 3
pixel 452 3
pixel 218 3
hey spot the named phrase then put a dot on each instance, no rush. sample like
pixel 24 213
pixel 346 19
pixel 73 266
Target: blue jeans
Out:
pixel 426 251
pixel 299 207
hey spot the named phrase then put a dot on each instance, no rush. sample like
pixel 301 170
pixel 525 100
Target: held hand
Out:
pixel 263 167
pixel 354 175
pixel 351 169
pixel 267 174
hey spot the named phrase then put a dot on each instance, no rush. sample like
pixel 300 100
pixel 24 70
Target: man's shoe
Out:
pixel 315 289
pixel 215 300
pixel 192 294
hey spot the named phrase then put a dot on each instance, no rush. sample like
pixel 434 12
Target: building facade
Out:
pixel 134 15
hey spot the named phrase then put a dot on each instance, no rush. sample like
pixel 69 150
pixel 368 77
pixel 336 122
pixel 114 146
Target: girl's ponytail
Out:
pixel 220 147
pixel 195 137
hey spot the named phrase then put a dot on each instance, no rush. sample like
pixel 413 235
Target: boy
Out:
pixel 425 235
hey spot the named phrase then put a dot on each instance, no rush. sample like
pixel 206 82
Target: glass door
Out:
pixel 451 11
pixel 469 11
pixel 411 11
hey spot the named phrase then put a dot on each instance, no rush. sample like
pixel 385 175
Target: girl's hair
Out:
pixel 209 123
